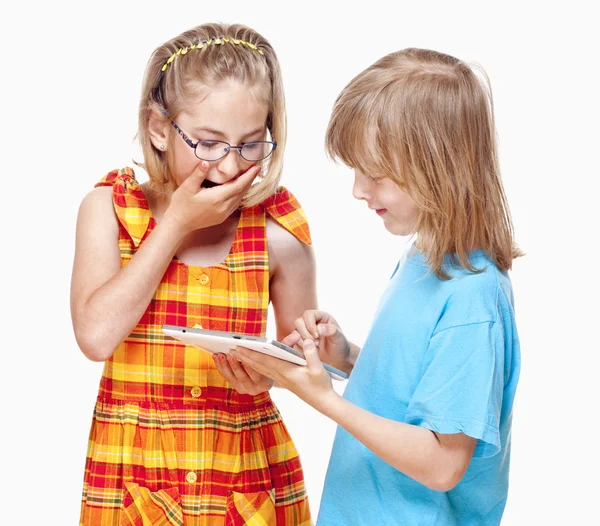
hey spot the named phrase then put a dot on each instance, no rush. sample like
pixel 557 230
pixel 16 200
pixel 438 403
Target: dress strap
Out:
pixel 130 203
pixel 284 208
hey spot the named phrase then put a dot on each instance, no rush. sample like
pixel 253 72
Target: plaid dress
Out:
pixel 171 442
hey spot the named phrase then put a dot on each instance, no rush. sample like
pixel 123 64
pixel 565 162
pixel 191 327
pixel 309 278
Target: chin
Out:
pixel 398 230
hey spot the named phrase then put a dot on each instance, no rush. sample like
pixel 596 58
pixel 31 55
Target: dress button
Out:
pixel 196 391
pixel 204 279
pixel 191 477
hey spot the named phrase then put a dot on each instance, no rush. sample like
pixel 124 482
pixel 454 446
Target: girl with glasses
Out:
pixel 179 436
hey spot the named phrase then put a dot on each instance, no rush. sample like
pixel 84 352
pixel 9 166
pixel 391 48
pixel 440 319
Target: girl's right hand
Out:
pixel 193 207
pixel 324 330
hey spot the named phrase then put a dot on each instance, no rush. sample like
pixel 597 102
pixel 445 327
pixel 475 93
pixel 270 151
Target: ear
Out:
pixel 158 128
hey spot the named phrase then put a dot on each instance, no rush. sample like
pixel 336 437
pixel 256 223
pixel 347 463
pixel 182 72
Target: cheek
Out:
pixel 403 207
pixel 412 212
pixel 182 165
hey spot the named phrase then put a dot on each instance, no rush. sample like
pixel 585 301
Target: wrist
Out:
pixel 346 364
pixel 329 404
pixel 353 352
pixel 175 226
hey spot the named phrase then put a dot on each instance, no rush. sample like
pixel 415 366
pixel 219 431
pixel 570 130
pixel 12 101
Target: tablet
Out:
pixel 223 342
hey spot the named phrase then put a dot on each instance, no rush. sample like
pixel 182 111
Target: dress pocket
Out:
pixel 257 509
pixel 151 508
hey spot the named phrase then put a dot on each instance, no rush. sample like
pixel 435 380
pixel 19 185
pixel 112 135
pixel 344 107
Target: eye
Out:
pixel 210 145
pixel 251 146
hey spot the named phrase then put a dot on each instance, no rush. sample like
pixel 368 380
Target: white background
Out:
pixel 70 81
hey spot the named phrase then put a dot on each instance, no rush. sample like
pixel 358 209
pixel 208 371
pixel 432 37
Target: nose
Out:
pixel 231 165
pixel 360 188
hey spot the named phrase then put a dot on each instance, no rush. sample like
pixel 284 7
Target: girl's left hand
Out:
pixel 243 379
pixel 311 383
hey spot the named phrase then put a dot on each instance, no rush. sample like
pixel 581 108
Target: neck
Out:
pixel 424 244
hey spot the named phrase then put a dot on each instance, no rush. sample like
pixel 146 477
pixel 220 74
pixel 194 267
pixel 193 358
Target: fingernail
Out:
pixel 204 164
pixel 308 342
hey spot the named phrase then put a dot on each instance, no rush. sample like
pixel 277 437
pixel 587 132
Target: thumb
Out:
pixel 312 356
pixel 194 181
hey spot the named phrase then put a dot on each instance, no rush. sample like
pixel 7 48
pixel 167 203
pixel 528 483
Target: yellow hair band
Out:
pixel 210 42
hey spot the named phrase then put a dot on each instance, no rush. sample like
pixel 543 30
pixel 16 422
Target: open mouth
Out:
pixel 209 184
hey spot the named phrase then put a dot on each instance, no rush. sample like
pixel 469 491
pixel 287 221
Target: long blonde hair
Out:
pixel 167 92
pixel 425 120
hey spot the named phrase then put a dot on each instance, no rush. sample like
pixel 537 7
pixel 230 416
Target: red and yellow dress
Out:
pixel 171 442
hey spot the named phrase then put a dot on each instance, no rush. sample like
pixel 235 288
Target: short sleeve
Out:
pixel 284 208
pixel 462 385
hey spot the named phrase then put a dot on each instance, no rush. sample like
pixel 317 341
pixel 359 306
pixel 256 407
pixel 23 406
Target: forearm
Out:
pixel 115 308
pixel 412 450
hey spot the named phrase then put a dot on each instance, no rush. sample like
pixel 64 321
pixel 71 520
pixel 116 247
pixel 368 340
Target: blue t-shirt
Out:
pixel 443 355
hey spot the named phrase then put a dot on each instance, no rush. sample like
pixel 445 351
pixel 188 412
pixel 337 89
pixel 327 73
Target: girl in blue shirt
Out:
pixel 425 419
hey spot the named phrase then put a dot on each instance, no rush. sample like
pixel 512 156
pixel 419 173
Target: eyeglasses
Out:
pixel 214 150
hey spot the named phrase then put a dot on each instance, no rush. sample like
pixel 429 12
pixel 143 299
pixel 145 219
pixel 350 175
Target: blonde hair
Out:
pixel 167 92
pixel 426 121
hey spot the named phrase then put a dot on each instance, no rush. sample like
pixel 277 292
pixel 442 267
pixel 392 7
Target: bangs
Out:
pixel 355 135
